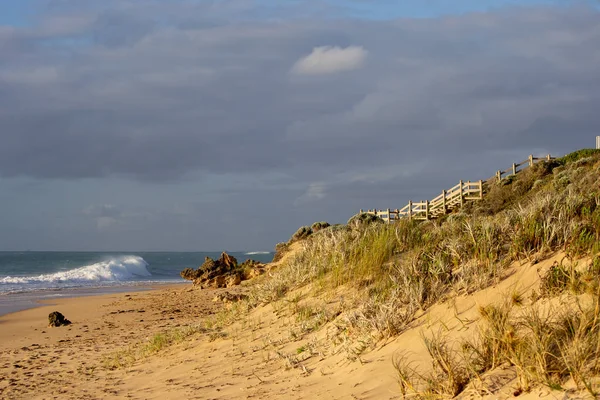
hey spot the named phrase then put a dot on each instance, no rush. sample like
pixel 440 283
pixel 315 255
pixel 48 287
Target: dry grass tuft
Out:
pixel 158 342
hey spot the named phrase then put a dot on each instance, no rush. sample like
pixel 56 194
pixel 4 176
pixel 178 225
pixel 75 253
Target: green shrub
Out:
pixel 302 233
pixel 555 281
pixel 583 239
pixel 317 226
pixel 362 219
pixel 280 249
pixel 579 154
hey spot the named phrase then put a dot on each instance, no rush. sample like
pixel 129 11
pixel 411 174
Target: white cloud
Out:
pixel 328 60
pixel 315 191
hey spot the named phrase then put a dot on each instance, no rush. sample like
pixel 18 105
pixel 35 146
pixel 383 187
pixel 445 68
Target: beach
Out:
pixel 252 359
pixel 261 354
pixel 66 362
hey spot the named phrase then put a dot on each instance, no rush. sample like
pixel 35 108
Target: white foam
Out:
pixel 116 269
pixel 251 253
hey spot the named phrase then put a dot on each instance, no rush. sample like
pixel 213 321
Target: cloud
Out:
pixel 325 60
pixel 102 210
pixel 179 121
pixel 315 191
pixel 204 92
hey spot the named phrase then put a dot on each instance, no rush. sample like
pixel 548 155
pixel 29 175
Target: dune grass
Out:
pixel 544 344
pixel 156 343
pixel 400 269
pixel 397 271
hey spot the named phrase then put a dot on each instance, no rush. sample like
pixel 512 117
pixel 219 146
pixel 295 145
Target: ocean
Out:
pixel 26 277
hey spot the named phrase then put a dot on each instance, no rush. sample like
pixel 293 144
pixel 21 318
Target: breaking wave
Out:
pixel 117 269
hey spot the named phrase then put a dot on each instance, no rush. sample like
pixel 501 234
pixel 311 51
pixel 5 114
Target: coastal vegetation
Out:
pixel 346 289
pixel 397 271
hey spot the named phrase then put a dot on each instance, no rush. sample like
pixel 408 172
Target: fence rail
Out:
pixel 452 198
pixel 518 167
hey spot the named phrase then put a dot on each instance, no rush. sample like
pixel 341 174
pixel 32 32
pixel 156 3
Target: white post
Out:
pixel 598 142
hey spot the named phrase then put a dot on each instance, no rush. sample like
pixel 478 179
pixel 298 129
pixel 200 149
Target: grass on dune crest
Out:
pixel 411 265
pixel 385 275
pixel 400 269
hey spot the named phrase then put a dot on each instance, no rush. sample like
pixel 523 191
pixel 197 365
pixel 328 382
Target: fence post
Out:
pixel 410 210
pixel 444 197
pixel 499 175
pixel 427 209
pixel 548 157
pixel 531 160
pixel 361 211
pixel 389 216
pixel 462 201
pixel 480 189
pixel 514 169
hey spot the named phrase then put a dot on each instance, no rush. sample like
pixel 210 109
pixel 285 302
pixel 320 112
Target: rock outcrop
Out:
pixel 56 319
pixel 224 272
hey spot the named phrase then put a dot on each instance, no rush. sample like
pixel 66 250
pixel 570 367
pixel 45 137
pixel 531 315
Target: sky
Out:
pixel 197 125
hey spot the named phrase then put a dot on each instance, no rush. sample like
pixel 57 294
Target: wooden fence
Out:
pixel 518 167
pixel 452 198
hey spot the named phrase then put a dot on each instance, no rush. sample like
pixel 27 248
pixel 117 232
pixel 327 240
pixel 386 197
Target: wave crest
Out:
pixel 116 269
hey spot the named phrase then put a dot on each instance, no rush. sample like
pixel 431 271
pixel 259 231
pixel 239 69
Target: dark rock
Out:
pixel 251 269
pixel 233 280
pixel 188 274
pixel 56 319
pixel 228 262
pixel 224 272
pixel 208 264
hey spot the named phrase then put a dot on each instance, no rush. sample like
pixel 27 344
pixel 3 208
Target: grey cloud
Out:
pixel 159 92
pixel 102 210
pixel 115 29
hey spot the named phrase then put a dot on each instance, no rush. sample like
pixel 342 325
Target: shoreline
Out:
pixel 81 305
pixel 42 362
pixel 21 301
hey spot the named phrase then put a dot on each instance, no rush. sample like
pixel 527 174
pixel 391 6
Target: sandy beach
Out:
pixel 66 362
pixel 253 359
pixel 259 356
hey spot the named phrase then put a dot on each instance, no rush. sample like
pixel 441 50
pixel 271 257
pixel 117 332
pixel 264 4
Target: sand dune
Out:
pixel 257 357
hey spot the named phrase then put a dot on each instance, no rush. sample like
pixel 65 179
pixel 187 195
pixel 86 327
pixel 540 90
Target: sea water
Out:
pixel 29 276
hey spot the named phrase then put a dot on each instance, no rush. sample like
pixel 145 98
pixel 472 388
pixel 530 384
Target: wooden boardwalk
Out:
pixel 452 198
